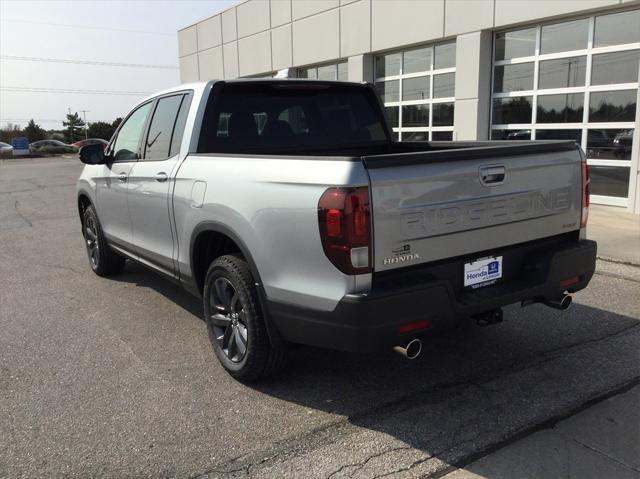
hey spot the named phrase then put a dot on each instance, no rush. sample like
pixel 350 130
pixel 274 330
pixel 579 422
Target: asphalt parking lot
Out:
pixel 116 377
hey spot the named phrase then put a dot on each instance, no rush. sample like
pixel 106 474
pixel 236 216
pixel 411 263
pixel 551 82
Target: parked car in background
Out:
pixel 622 144
pixel 50 147
pixel 91 141
pixel 6 150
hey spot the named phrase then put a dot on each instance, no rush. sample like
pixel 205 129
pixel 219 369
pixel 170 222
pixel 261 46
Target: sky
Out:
pixel 138 32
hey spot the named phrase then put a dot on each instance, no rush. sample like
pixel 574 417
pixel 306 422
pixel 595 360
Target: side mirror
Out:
pixel 92 155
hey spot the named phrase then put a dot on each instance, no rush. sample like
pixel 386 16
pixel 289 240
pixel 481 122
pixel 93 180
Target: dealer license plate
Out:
pixel 482 272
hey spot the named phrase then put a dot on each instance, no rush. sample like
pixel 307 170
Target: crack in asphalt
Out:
pixel 359 465
pixel 604 454
pixel 15 207
pixel 618 276
pixel 309 441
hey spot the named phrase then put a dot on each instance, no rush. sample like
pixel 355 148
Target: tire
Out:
pixel 235 321
pixel 103 260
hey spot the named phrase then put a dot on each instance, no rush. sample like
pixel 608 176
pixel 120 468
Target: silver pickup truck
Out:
pixel 288 208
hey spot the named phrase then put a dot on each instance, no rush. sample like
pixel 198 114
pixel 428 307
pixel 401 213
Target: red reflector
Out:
pixel 334 223
pixel 415 326
pixel 569 281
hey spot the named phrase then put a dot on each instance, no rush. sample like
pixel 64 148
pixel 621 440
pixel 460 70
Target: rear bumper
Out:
pixel 372 322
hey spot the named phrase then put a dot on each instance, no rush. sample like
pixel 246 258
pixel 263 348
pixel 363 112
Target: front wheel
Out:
pixel 235 321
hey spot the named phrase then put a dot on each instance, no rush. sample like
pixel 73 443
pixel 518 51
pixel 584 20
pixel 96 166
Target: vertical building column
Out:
pixel 473 86
pixel 360 68
pixel 634 170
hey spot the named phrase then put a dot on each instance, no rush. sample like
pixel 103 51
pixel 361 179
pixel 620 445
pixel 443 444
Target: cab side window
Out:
pixel 127 144
pixel 158 144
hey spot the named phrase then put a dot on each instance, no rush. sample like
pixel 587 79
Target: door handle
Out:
pixel 122 177
pixel 492 175
pixel 162 176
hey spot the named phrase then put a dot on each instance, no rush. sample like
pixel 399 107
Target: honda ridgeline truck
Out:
pixel 287 206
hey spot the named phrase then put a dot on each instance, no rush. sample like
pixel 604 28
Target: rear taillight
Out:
pixel 585 194
pixel 345 228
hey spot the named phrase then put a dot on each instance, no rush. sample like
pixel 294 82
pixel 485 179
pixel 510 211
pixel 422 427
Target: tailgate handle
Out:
pixel 492 175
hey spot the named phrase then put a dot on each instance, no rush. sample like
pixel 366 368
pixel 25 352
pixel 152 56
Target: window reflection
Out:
pixel 617 67
pixel 389 90
pixel 445 55
pixel 564 37
pixel 511 134
pixel 393 114
pixel 562 73
pixel 575 135
pixel 444 85
pixel 418 60
pixel 613 106
pixel 609 181
pixel 388 65
pixel 521 43
pixel 442 136
pixel 415 88
pixel 415 115
pixel 512 110
pixel 415 136
pixel 442 114
pixel 609 144
pixel 560 108
pixel 617 29
pixel 517 77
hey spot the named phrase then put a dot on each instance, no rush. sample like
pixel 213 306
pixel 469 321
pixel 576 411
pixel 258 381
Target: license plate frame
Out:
pixel 482 272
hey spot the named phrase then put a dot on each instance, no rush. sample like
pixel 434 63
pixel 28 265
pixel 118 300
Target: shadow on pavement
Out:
pixel 471 388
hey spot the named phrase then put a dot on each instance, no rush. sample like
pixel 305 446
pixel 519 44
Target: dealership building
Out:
pixel 456 69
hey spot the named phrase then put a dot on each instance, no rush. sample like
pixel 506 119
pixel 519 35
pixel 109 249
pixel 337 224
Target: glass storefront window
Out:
pixel 562 73
pixel 444 85
pixel 575 135
pixel 516 77
pixel 445 56
pixel 416 136
pixel 331 72
pixel 617 29
pixel 615 106
pixel 418 60
pixel 561 108
pixel 609 144
pixel 393 114
pixel 417 87
pixel 510 134
pixel 442 136
pixel 388 65
pixel 517 44
pixel 581 76
pixel 609 181
pixel 616 67
pixel 442 114
pixel 389 90
pixel 415 115
pixel 512 110
pixel 564 37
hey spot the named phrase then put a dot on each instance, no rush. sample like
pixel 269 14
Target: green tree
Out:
pixel 34 132
pixel 74 126
pixel 101 129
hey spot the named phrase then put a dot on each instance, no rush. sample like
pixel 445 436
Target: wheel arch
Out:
pixel 84 200
pixel 200 257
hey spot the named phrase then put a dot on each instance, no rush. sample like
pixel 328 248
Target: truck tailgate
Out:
pixel 438 204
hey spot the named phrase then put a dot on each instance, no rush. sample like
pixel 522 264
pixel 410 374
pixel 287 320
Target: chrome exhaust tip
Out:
pixel 411 351
pixel 563 303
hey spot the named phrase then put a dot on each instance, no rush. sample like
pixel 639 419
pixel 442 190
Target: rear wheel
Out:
pixel 103 260
pixel 235 321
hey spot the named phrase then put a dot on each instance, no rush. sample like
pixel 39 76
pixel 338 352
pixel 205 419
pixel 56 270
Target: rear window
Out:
pixel 285 118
